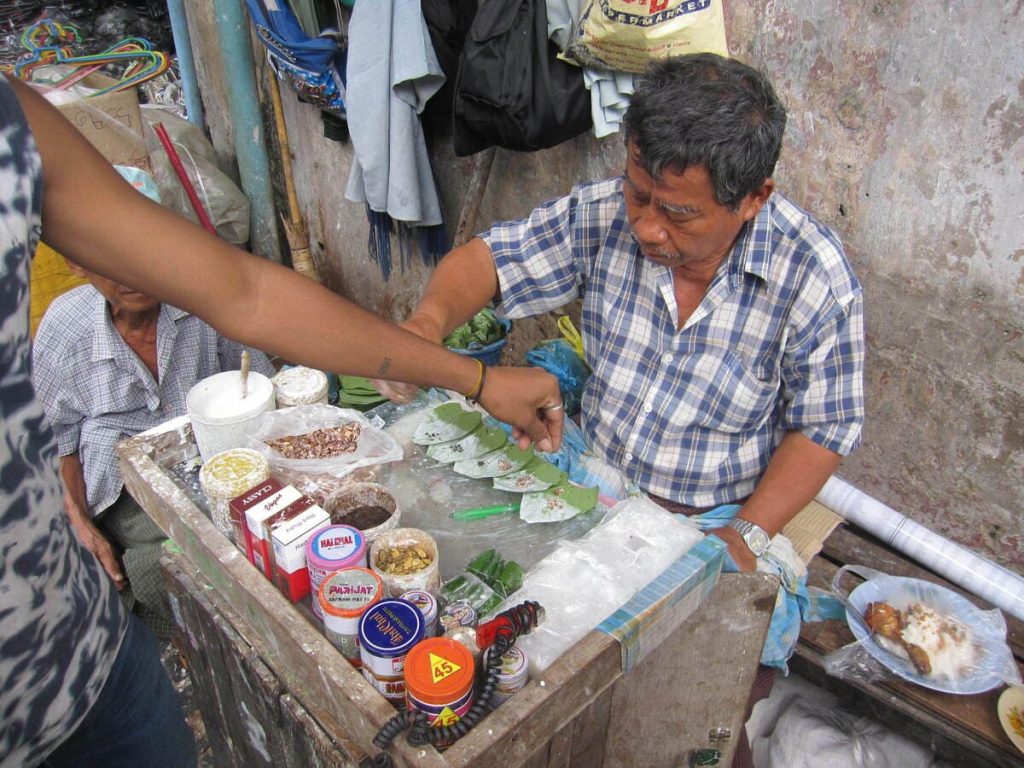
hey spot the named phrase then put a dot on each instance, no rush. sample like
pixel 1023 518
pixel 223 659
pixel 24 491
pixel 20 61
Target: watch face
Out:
pixel 758 541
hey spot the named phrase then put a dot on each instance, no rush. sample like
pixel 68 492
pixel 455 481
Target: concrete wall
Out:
pixel 905 133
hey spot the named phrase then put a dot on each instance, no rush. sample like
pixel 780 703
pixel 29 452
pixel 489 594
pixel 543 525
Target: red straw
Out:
pixel 172 155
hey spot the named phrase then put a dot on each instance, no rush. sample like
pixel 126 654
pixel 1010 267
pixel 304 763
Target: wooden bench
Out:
pixel 962 730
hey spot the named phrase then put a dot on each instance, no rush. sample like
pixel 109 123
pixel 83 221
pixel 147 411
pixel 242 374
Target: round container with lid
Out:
pixel 439 678
pixel 427 604
pixel 344 596
pixel 221 418
pixel 300 386
pixel 330 549
pixel 387 632
pixel 229 474
pixel 512 676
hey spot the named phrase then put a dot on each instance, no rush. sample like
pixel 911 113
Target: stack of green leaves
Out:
pixel 358 393
pixel 486 582
pixel 479 331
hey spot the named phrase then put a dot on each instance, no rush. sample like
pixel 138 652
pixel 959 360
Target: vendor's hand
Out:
pixel 399 391
pixel 738 549
pixel 93 540
pixel 529 400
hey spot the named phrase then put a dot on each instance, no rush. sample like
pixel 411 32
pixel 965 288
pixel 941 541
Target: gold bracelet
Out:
pixel 474 394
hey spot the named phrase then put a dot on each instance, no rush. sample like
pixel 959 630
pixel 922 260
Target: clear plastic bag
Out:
pixel 983 659
pixel 320 478
pixel 225 204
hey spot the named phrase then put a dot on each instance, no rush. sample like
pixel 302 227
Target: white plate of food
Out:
pixel 927 634
pixel 1011 714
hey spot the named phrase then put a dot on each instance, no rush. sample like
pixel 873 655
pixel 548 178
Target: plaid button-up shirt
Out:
pixel 694 415
pixel 96 391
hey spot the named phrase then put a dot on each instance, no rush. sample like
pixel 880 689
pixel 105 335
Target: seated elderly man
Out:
pixel 110 362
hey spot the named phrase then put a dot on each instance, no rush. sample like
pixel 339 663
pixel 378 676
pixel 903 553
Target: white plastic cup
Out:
pixel 220 417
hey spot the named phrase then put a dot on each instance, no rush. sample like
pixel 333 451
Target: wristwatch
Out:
pixel 755 536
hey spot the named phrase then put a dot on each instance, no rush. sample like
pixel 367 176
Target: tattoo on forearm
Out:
pixel 385 366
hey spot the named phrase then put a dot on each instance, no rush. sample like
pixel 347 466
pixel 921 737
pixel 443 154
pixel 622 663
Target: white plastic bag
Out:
pixel 319 478
pixel 225 204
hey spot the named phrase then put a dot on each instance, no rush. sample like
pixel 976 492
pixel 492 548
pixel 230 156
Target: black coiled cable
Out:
pixel 513 623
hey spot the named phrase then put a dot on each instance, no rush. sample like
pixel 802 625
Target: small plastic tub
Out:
pixel 387 632
pixel 439 676
pixel 221 418
pixel 427 604
pixel 300 386
pixel 512 676
pixel 229 474
pixel 344 596
pixel 330 549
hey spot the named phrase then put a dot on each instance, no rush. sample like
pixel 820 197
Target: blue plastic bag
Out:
pixel 557 357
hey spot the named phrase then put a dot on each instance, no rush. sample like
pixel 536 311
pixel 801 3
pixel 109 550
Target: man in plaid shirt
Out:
pixel 722 323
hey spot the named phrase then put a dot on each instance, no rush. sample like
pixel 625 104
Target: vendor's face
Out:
pixel 121 299
pixel 676 219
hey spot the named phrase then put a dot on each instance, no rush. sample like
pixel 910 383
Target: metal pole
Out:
pixel 250 142
pixel 186 64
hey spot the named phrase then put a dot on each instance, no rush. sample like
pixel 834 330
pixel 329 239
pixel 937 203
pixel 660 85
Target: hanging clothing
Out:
pixel 609 91
pixel 391 73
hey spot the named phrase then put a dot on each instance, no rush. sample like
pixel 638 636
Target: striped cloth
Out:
pixel 693 415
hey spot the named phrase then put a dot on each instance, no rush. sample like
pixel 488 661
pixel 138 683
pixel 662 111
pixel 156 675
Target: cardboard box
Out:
pixel 112 122
pixel 257 545
pixel 289 541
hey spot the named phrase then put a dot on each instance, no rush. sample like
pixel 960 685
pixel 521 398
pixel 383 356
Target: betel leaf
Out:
pixel 537 475
pixel 445 423
pixel 561 502
pixel 481 440
pixel 503 461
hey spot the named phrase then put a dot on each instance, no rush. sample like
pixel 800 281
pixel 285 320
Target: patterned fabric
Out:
pixel 140 542
pixel 60 620
pixel 96 391
pixel 694 415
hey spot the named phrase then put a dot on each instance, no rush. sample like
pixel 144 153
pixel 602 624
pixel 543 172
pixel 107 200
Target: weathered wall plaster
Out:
pixel 905 135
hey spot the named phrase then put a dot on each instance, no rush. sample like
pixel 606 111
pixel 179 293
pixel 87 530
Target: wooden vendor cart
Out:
pixel 273 690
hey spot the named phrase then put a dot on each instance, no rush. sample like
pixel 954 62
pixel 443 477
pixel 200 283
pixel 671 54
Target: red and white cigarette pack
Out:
pixel 289 539
pixel 257 545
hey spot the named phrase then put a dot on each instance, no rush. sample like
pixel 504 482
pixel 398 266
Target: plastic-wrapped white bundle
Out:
pixel 583 581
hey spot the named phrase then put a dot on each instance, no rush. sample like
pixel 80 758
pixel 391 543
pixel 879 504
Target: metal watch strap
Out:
pixel 754 536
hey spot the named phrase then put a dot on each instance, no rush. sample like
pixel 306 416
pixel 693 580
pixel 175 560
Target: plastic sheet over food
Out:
pixel 961 566
pixel 583 582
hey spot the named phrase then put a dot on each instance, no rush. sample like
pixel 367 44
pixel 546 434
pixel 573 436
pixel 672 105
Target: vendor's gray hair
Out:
pixel 706 110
